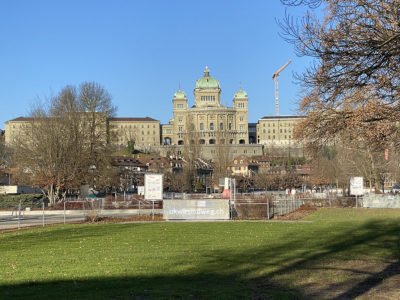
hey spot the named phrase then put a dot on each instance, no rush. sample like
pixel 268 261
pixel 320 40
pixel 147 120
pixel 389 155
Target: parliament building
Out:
pixel 207 121
pixel 207 125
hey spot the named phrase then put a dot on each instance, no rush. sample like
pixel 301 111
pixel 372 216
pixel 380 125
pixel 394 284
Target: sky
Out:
pixel 142 51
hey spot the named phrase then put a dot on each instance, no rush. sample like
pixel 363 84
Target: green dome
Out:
pixel 241 94
pixel 207 82
pixel 179 94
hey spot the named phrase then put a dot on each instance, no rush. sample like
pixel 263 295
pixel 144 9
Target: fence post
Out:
pixel 42 214
pixel 267 209
pixel 19 215
pixel 64 211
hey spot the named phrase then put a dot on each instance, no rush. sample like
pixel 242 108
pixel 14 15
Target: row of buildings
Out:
pixel 204 127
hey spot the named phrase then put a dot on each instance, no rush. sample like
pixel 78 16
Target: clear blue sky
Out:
pixel 142 51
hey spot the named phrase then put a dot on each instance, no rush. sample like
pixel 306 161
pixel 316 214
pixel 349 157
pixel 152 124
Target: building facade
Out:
pixel 142 133
pixel 278 131
pixel 16 128
pixel 207 122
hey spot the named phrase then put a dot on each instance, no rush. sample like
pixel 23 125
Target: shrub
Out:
pixel 26 200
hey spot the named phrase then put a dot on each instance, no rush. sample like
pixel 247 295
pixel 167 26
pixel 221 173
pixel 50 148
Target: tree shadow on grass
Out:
pixel 261 272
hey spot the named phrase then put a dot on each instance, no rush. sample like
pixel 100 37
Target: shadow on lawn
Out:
pixel 258 273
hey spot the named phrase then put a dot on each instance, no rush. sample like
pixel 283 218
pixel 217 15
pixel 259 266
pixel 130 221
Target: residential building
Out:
pixel 243 165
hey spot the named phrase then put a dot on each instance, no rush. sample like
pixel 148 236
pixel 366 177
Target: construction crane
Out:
pixel 275 78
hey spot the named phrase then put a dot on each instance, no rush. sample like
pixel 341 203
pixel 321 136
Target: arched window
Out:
pixel 241 141
pixel 202 141
pixel 211 141
pixel 180 142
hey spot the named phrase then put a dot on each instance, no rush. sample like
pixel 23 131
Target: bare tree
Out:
pixel 4 154
pixel 310 3
pixel 96 103
pixel 66 142
pixel 355 76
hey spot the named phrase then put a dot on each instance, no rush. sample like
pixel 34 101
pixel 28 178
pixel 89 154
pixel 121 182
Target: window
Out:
pixel 221 126
pixel 230 126
pixel 179 105
pixel 211 126
pixel 241 118
pixel 201 126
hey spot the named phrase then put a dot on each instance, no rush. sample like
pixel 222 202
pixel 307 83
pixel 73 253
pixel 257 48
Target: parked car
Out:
pixel 396 188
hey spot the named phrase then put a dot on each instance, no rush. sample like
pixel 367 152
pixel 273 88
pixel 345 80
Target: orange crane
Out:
pixel 275 78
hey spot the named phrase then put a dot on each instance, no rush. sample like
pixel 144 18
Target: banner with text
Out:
pixel 207 209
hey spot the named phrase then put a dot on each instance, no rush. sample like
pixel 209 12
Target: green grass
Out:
pixel 205 260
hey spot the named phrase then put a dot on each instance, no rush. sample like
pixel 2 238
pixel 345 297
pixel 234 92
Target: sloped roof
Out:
pixel 140 119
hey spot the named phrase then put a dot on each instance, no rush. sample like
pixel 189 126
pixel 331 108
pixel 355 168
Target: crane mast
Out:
pixel 276 82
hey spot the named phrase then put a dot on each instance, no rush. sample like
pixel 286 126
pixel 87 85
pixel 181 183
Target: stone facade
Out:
pixel 16 128
pixel 143 133
pixel 207 122
pixel 212 152
pixel 277 131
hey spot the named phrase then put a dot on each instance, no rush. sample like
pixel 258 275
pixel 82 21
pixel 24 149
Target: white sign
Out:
pixel 140 190
pixel 356 186
pixel 208 209
pixel 153 186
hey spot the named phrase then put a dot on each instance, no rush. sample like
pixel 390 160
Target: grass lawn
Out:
pixel 332 254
